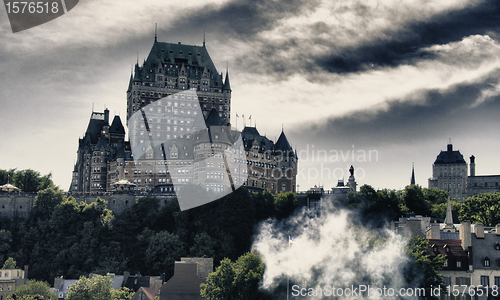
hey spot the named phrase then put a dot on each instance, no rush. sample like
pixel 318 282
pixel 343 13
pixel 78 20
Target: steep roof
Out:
pixel 117 126
pixel 193 58
pixel 282 143
pixel 213 118
pixel 226 86
pixel 251 135
pixel 449 157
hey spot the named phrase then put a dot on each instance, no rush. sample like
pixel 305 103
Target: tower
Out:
pixel 172 68
pixel 449 173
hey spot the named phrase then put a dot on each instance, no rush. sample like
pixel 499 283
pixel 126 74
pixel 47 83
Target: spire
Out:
pixel 227 86
pixel 203 37
pixel 156 31
pixel 412 174
pixel 449 217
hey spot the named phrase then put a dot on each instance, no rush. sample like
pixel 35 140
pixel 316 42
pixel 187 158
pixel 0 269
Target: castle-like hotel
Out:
pixel 178 118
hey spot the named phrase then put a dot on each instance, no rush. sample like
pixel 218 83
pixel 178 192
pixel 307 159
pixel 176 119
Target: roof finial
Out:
pixel 449 140
pixel 203 37
pixel 92 107
pixel 137 57
pixel 156 31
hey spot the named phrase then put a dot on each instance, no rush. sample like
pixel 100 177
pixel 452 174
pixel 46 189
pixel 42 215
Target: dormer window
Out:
pixel 435 248
pixel 446 248
pixel 486 262
pixel 497 246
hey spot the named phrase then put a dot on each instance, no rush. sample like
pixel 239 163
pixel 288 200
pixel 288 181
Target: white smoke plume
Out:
pixel 329 250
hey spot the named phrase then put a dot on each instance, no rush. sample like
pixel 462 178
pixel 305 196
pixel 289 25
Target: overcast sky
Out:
pixel 389 81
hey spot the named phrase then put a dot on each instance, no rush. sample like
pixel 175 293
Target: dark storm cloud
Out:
pixel 425 115
pixel 404 45
pixel 242 19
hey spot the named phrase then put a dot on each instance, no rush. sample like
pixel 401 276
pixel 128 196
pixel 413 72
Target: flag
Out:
pixel 237 115
pixel 243 116
pixel 290 241
pixel 250 117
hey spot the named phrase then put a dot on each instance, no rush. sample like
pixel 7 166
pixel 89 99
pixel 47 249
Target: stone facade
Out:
pixel 21 205
pixel 15 204
pixel 180 135
pixel 10 279
pixel 449 173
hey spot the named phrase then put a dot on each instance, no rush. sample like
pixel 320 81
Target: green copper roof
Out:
pixel 165 54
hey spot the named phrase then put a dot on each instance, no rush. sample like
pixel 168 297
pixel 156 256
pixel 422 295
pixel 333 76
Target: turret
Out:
pixel 472 166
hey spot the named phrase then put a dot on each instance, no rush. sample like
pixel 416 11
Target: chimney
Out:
pixel 479 231
pixel 472 166
pixel 497 229
pixel 450 147
pixel 106 116
pixel 434 232
pixel 58 281
pixel 465 233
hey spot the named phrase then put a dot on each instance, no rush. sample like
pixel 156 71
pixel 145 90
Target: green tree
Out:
pixel 414 200
pixel 435 195
pixel 10 263
pixel 439 210
pixel 219 284
pixel 285 203
pixel 238 280
pixel 123 293
pixel 422 270
pixel 30 181
pixel 482 208
pixel 204 245
pixel 264 204
pixel 95 288
pixel 7 176
pixel 32 289
pixel 163 250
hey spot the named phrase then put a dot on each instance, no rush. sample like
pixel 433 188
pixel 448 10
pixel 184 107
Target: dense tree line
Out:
pixel 379 207
pixel 28 181
pixel 61 237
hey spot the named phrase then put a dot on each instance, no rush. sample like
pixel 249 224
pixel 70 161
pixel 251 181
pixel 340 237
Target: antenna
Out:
pixel 92 106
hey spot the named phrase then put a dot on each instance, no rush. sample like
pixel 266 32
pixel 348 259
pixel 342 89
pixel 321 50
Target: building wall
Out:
pixel 450 177
pixel 483 184
pixel 11 205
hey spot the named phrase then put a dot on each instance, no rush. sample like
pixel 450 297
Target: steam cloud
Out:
pixel 330 249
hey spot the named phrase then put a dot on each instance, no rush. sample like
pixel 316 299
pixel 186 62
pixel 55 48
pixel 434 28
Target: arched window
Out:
pixel 486 262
